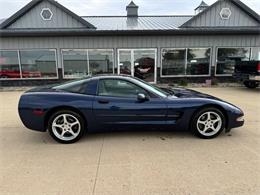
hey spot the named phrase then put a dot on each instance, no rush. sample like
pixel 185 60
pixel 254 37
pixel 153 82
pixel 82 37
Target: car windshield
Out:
pixel 153 88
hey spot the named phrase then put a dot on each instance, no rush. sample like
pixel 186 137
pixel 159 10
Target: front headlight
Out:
pixel 240 119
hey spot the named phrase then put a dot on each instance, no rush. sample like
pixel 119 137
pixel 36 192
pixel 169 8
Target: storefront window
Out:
pixel 100 61
pixel 255 54
pixel 228 57
pixel 186 62
pixel 75 63
pixel 83 62
pixel 173 61
pixel 9 65
pixel 198 61
pixel 38 63
pixel 140 63
pixel 125 62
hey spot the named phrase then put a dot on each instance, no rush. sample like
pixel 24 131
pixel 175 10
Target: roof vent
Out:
pixel 132 10
pixel 201 7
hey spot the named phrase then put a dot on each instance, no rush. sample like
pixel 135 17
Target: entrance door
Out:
pixel 140 63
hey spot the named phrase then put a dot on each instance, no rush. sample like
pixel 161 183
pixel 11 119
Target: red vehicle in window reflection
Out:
pixel 144 67
pixel 12 71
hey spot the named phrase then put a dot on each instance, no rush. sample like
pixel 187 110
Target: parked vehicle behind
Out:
pixel 248 72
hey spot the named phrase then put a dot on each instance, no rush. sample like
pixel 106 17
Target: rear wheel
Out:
pixel 251 84
pixel 208 123
pixel 66 126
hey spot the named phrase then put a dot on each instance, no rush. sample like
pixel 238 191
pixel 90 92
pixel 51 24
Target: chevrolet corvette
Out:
pixel 106 102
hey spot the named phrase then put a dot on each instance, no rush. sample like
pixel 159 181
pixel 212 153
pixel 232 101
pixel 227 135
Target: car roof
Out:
pixel 101 76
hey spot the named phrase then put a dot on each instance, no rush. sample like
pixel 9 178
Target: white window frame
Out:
pixel 20 65
pixel 132 60
pixel 87 51
pixel 228 47
pixel 186 62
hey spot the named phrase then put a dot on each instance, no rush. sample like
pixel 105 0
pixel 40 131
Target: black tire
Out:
pixel 251 84
pixel 69 113
pixel 194 127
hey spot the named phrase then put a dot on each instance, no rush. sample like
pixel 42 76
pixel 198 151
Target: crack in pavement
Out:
pixel 99 159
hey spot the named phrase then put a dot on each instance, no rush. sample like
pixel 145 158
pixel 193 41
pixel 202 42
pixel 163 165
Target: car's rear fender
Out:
pixel 51 111
pixel 36 108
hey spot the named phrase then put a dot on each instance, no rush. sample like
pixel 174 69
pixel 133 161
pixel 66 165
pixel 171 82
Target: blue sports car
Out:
pixel 116 102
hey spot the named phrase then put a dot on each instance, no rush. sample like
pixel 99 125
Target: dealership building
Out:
pixel 45 42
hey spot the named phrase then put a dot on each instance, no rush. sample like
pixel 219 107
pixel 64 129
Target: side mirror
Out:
pixel 142 97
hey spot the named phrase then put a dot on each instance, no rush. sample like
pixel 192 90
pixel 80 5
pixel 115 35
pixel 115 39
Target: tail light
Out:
pixel 258 67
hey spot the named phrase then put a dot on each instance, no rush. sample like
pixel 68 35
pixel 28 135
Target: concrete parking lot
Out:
pixel 144 163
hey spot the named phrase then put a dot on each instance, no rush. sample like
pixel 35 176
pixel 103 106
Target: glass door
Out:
pixel 144 64
pixel 140 63
pixel 125 62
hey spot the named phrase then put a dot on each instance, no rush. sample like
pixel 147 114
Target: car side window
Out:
pixel 119 88
pixel 81 87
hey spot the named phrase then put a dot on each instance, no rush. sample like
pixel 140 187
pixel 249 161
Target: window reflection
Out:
pixel 198 61
pixel 138 62
pixel 118 88
pixel 185 62
pixel 125 62
pixel 9 64
pixel 228 57
pixel 173 61
pixel 255 54
pixel 38 63
pixel 82 62
pixel 100 61
pixel 144 64
pixel 75 63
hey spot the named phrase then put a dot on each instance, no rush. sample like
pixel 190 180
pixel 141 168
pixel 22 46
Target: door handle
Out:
pixel 103 101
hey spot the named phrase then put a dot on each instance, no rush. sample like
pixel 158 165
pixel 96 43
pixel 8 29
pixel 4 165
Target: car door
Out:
pixel 116 105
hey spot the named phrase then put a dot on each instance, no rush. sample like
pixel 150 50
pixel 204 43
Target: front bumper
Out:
pixel 235 120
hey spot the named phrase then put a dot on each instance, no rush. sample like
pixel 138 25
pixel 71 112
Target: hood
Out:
pixel 187 93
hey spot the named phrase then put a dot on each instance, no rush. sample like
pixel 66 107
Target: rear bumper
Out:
pixel 32 121
pixel 246 77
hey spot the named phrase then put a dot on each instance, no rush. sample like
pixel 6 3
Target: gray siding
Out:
pixel 60 19
pixel 117 42
pixel 211 17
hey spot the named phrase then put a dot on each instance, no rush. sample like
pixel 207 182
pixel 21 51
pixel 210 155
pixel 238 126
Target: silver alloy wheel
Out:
pixel 66 127
pixel 209 123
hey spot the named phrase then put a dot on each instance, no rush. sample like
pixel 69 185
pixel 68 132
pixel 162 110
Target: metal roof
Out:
pixel 137 23
pixel 2 20
pixel 86 32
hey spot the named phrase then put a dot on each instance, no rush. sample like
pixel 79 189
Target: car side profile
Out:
pixel 107 102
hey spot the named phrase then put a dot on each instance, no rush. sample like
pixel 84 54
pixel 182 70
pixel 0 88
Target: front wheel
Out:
pixel 66 126
pixel 208 123
pixel 251 84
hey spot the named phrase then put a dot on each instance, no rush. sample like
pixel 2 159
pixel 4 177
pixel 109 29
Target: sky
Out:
pixel 117 7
